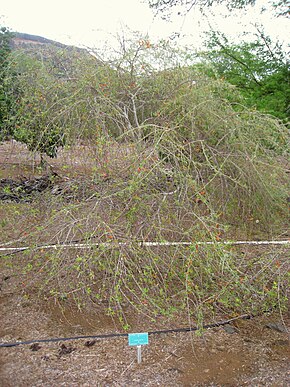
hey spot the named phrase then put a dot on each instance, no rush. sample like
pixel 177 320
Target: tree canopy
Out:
pixel 259 69
pixel 282 6
pixel 5 97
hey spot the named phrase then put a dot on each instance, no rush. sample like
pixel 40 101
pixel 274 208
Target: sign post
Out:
pixel 139 354
pixel 138 339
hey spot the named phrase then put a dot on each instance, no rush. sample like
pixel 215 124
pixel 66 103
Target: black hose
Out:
pixel 112 335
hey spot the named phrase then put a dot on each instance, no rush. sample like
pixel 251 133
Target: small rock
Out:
pixel 175 370
pixel 229 329
pixel 282 342
pixel 90 343
pixel 64 350
pixel 277 327
pixel 35 347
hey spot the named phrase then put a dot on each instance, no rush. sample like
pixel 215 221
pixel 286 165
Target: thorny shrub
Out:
pixel 199 164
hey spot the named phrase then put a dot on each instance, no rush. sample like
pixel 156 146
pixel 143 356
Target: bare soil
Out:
pixel 249 354
pixel 253 355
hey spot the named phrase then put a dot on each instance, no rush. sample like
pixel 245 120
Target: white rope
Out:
pixel 141 244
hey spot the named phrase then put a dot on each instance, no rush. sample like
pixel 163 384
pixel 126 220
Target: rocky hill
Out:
pixel 22 40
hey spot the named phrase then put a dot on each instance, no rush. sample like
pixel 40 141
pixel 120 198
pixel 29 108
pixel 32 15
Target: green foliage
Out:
pixel 196 282
pixel 6 99
pixel 36 120
pixel 260 71
pixel 197 126
pixel 175 156
pixel 282 7
pixel 5 45
pixel 54 101
pixel 166 6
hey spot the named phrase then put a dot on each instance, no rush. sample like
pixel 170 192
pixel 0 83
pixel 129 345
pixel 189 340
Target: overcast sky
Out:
pixel 90 22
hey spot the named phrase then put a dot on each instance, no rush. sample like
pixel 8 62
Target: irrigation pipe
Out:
pixel 140 244
pixel 115 335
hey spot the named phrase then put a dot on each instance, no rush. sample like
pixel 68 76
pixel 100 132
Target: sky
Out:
pixel 92 22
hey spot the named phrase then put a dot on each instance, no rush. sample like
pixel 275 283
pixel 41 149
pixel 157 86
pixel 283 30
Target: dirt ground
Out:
pixel 246 353
pixel 252 352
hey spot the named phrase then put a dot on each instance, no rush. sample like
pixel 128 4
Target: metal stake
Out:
pixel 139 357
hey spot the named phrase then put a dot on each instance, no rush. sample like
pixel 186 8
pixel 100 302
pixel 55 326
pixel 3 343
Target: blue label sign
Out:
pixel 138 338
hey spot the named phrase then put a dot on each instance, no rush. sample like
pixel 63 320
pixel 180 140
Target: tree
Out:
pixel 5 46
pixel 282 6
pixel 5 96
pixel 34 118
pixel 260 70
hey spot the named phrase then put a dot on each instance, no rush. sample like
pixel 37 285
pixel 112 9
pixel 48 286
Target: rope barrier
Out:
pixel 140 244
pixel 115 335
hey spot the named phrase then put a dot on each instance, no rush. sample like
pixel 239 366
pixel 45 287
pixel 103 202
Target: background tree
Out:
pixel 259 69
pixel 5 95
pixel 35 121
pixel 283 8
pixel 52 103
pixel 164 6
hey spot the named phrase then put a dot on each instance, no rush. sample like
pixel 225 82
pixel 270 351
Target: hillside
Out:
pixel 22 39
